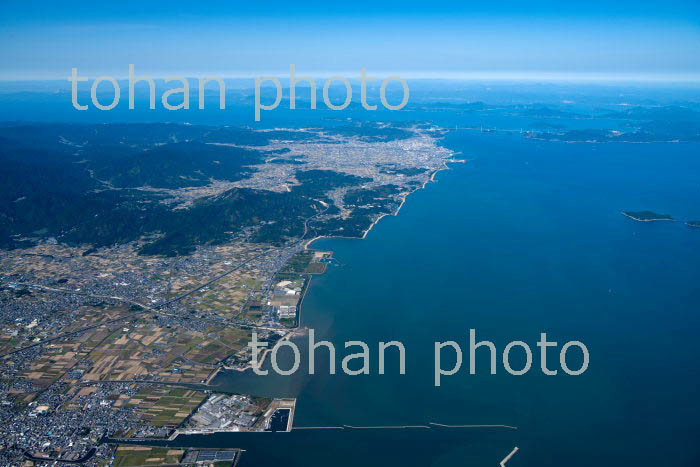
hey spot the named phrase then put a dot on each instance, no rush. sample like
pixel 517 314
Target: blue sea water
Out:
pixel 527 237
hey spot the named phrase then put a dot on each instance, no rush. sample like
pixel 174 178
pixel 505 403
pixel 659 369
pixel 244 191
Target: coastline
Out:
pixel 293 332
pixel 397 210
pixel 300 330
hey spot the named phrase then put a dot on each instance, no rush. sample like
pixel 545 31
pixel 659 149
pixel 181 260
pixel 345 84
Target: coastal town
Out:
pixel 124 368
pixel 105 347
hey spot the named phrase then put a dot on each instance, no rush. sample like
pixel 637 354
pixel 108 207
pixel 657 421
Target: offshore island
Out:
pixel 647 216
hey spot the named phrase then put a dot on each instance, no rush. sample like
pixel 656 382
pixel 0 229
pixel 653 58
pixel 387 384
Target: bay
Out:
pixel 525 238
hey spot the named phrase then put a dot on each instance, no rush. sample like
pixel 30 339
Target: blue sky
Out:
pixel 413 39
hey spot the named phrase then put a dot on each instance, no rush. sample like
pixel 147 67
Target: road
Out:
pixel 147 308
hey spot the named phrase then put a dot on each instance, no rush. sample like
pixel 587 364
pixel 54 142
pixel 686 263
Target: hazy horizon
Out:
pixel 628 40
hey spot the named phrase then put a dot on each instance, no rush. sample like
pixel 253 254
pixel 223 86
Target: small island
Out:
pixel 647 216
pixel 695 224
